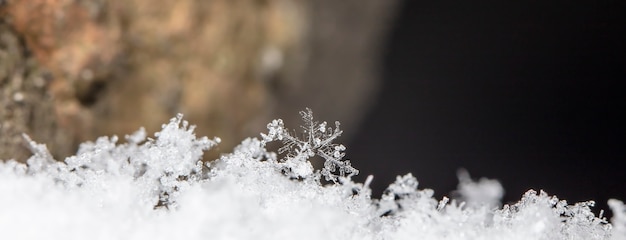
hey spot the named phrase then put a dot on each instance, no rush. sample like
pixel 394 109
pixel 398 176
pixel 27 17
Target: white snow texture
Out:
pixel 157 188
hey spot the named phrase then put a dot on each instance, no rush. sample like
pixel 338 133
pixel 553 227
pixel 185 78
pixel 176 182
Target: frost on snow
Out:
pixel 157 188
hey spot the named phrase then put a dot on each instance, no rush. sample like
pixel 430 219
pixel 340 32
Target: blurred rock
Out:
pixel 73 70
pixel 25 105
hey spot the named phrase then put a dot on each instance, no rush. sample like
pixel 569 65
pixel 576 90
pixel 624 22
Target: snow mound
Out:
pixel 157 188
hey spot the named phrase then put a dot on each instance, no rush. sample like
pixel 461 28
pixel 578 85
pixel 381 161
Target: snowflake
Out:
pixel 317 140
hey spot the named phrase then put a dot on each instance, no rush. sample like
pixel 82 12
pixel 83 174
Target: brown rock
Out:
pixel 109 67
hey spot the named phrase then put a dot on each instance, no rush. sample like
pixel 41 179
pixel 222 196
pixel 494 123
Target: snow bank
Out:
pixel 157 188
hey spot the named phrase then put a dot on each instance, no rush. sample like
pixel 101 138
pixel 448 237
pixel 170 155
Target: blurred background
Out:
pixel 73 70
pixel 527 92
pixel 531 93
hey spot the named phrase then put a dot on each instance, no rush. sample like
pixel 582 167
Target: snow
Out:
pixel 157 188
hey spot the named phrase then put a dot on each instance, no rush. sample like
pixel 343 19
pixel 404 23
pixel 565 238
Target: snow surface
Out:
pixel 157 188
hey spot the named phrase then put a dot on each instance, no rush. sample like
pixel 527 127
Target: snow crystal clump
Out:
pixel 475 194
pixel 157 188
pixel 619 219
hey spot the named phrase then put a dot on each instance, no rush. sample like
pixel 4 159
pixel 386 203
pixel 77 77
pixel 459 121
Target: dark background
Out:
pixel 527 92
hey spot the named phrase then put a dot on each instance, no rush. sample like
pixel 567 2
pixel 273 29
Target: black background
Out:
pixel 527 92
